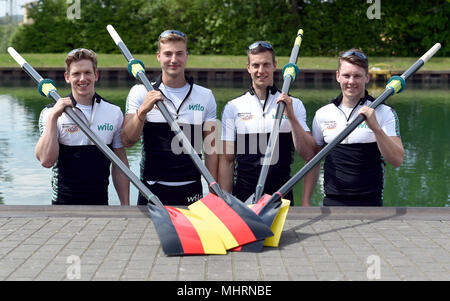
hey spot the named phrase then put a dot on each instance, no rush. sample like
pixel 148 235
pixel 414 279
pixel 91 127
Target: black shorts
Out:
pixel 373 199
pixel 183 195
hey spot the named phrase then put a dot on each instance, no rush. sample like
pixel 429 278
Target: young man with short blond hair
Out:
pixel 80 170
pixel 354 169
pixel 168 173
pixel 247 122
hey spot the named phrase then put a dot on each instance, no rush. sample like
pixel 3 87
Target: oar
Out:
pixel 181 232
pixel 395 85
pixel 232 220
pixel 290 72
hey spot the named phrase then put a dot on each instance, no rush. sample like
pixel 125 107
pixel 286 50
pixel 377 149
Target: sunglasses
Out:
pixel 76 50
pixel 168 32
pixel 354 52
pixel 260 43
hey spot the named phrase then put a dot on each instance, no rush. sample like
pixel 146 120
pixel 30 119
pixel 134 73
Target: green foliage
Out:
pixel 405 28
pixel 6 32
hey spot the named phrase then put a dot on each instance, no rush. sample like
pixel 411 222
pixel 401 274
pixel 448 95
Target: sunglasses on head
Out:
pixel 168 32
pixel 354 52
pixel 260 43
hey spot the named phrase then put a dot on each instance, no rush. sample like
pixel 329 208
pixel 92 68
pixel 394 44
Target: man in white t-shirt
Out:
pixel 165 169
pixel 247 122
pixel 80 170
pixel 354 169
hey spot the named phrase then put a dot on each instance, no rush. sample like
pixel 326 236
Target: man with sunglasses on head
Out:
pixel 80 170
pixel 165 169
pixel 247 122
pixel 354 169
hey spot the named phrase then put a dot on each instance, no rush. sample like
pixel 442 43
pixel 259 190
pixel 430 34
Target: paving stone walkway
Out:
pixel 114 243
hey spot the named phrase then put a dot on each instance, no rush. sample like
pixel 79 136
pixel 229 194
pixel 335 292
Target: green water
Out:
pixel 422 180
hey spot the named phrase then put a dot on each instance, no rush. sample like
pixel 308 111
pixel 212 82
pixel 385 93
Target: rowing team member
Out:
pixel 353 171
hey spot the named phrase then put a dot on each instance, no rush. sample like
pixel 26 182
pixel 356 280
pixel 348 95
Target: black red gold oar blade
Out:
pixel 181 232
pixel 276 227
pixel 233 221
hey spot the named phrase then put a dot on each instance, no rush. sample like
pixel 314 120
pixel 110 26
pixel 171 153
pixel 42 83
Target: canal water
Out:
pixel 422 180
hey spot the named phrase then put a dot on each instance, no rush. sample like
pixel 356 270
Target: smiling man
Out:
pixel 80 170
pixel 168 173
pixel 354 169
pixel 247 122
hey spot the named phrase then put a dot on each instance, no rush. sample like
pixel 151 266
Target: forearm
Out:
pixel 304 143
pixel 132 128
pixel 210 147
pixel 309 184
pixel 391 148
pixel 47 148
pixel 226 174
pixel 212 164
pixel 120 180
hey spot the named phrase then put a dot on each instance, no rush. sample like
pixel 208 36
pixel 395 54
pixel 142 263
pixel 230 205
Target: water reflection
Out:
pixel 422 180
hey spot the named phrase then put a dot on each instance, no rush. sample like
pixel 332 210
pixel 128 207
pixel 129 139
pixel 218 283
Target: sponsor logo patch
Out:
pixel 330 125
pixel 70 128
pixel 245 116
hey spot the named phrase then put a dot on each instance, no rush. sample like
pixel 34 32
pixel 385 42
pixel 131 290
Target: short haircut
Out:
pixel 354 56
pixel 259 49
pixel 171 37
pixel 81 54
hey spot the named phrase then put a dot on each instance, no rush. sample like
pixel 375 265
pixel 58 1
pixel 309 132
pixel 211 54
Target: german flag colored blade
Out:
pixel 278 222
pixel 277 226
pixel 184 233
pixel 233 221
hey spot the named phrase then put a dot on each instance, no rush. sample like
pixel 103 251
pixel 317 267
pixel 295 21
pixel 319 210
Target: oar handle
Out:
pixel 391 89
pixel 139 73
pixel 290 71
pixel 53 94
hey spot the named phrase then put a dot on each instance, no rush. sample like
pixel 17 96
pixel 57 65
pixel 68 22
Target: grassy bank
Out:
pixel 224 61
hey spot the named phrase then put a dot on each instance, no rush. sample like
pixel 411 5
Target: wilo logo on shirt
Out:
pixel 282 116
pixel 196 107
pixel 105 127
pixel 363 125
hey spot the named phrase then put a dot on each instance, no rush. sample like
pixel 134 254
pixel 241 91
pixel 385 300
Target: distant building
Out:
pixel 27 6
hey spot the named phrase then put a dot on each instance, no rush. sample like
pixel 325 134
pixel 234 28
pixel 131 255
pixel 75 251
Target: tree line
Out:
pixel 379 27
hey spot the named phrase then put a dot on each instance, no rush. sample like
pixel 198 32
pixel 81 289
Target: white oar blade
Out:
pixel 16 56
pixel 114 35
pixel 430 52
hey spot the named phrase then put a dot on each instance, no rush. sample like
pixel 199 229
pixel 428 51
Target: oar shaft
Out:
pixel 320 155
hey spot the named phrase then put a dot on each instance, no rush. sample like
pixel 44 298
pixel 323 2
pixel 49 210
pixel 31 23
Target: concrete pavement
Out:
pixel 115 243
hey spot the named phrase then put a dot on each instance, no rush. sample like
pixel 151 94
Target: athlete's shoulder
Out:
pixel 138 89
pixel 326 108
pixel 202 92
pixel 106 103
pixel 239 99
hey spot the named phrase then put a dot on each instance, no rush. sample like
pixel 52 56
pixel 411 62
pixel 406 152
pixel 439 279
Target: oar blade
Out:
pixel 279 213
pixel 232 221
pixel 182 232
pixel 278 222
